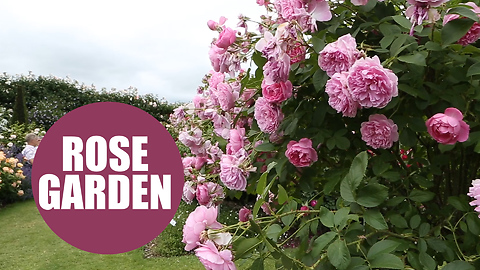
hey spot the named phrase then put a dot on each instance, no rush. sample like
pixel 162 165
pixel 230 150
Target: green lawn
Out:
pixel 26 242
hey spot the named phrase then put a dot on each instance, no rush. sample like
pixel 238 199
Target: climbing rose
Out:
pixel 448 127
pixel 339 96
pixel 188 192
pixel 339 56
pixel 370 84
pixel 227 37
pixel 379 132
pixel 268 115
pixel 230 172
pixel 277 92
pixel 473 33
pixel 474 192
pixel 244 214
pixel 301 153
pixel 209 194
pixel 201 219
pixel 213 259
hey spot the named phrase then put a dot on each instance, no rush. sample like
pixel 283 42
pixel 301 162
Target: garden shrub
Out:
pixel 20 109
pixel 358 132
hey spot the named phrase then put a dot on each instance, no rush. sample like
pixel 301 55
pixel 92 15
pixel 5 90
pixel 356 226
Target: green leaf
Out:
pixel 421 195
pixel 291 127
pixel 375 219
pixel 387 261
pixel 415 221
pixel 273 232
pixel 427 261
pixel 321 242
pixel 245 246
pixel 381 248
pixel 265 147
pixel 424 229
pixel 354 177
pixel 318 44
pixel 473 223
pixel 338 254
pixel 340 218
pixel 474 69
pixel 288 219
pixel 372 195
pixel 257 264
pixel 455 29
pixel 458 265
pixel 465 12
pixel 398 221
pixel 262 183
pixel 257 206
pixel 342 143
pixel 416 59
pixel 282 194
pixel 402 21
pixel 327 218
pixel 319 80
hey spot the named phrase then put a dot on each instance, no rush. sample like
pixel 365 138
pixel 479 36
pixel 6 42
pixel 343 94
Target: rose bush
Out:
pixel 357 132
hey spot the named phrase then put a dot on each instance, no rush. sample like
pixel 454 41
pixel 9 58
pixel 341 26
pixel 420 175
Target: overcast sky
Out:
pixel 160 47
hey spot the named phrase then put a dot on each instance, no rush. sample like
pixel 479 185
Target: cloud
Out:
pixel 160 47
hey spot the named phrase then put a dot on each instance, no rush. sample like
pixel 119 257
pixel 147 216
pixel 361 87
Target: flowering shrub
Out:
pixel 358 133
pixel 11 176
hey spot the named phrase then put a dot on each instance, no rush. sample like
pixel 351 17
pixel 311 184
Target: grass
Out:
pixel 26 242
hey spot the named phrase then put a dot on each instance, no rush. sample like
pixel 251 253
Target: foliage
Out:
pixel 20 110
pixel 397 206
pixel 48 97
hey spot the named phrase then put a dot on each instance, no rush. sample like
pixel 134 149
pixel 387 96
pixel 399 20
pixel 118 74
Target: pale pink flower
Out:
pixel 209 194
pixel 224 96
pixel 236 140
pixel 277 70
pixel 268 46
pixel 339 56
pixel 301 153
pixel 198 221
pixel 244 214
pixel 448 127
pixel 370 84
pixel 320 10
pixel 215 79
pixel 247 96
pixel 277 92
pixel 231 174
pixel 268 115
pixel 192 139
pixel 473 33
pixel 213 259
pixel 474 192
pixel 227 37
pixel 339 95
pixel 379 132
pixel 188 192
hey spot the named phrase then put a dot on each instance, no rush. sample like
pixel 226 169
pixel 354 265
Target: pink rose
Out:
pixel 448 127
pixel 296 53
pixel 231 174
pixel 212 24
pixel 319 10
pixel 198 221
pixel 209 194
pixel 244 214
pixel 213 259
pixel 236 140
pixel 247 96
pixel 339 95
pixel 277 70
pixel 215 79
pixel 268 115
pixel 277 92
pixel 301 153
pixel 339 56
pixel 227 37
pixel 473 33
pixel 370 84
pixel 431 3
pixel 474 192
pixel 224 95
pixel 188 192
pixel 379 132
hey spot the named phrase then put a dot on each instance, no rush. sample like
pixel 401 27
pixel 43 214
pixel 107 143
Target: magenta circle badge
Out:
pixel 107 178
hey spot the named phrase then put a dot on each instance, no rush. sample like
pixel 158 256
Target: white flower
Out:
pixel 1 137
pixel 222 239
pixel 10 144
pixel 13 136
